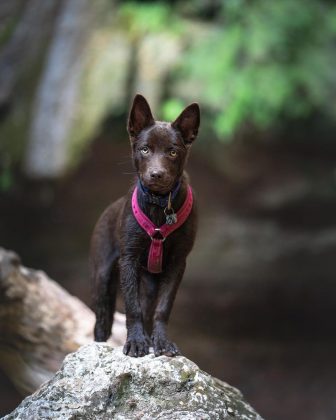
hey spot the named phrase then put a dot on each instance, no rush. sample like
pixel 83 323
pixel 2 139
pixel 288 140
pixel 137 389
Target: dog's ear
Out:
pixel 187 123
pixel 140 117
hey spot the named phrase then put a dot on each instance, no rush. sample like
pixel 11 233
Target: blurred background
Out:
pixel 257 305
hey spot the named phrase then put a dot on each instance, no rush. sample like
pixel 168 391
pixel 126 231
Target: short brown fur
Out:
pixel 119 246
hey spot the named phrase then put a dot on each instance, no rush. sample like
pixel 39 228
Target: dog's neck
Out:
pixel 155 211
pixel 158 199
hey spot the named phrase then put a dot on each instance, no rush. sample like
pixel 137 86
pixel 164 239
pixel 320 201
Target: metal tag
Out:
pixel 171 218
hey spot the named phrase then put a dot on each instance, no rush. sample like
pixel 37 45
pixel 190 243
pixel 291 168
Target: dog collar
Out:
pixel 158 200
pixel 159 234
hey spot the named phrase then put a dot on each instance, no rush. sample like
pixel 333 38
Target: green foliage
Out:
pixel 172 108
pixel 6 176
pixel 264 61
pixel 142 18
pixel 259 62
pixel 6 180
pixel 6 30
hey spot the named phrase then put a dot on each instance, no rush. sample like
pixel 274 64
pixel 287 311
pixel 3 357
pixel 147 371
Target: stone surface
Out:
pixel 99 382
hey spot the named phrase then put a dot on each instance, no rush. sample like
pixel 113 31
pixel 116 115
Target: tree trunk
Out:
pixel 57 96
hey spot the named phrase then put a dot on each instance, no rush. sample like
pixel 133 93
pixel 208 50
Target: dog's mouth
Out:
pixel 158 189
pixel 161 188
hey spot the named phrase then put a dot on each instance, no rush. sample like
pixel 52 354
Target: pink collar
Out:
pixel 154 264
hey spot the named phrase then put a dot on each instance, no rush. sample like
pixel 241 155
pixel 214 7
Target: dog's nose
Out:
pixel 156 174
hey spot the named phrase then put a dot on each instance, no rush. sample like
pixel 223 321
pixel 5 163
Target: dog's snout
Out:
pixel 156 174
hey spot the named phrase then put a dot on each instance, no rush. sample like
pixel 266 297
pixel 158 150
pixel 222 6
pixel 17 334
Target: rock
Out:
pixel 99 382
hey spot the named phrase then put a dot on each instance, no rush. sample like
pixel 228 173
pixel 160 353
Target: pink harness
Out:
pixel 154 264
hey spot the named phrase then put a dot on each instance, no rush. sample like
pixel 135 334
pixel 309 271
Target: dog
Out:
pixel 143 238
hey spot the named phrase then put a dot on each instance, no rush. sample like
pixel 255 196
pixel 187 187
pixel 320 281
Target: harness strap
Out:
pixel 154 264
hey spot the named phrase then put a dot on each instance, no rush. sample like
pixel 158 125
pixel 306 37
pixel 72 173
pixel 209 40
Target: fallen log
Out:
pixel 40 323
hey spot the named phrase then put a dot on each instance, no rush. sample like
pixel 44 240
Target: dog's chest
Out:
pixel 156 215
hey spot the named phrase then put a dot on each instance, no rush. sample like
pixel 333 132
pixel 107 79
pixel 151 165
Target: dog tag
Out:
pixel 171 218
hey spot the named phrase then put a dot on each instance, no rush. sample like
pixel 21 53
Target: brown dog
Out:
pixel 143 238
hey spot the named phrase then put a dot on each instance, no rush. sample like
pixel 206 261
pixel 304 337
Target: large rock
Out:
pixel 99 382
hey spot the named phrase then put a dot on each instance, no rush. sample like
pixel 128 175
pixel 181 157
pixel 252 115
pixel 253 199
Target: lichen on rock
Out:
pixel 100 382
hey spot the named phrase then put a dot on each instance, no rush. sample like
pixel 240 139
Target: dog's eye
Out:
pixel 173 153
pixel 144 150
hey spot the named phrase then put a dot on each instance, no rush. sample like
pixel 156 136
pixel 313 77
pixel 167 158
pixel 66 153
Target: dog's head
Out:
pixel 160 149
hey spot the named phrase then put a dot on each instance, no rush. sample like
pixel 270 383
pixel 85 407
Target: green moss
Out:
pixel 141 18
pixel 123 384
pixel 7 29
pixel 187 379
pixel 6 179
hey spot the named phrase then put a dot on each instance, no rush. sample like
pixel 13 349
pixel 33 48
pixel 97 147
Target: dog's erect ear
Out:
pixel 140 116
pixel 188 122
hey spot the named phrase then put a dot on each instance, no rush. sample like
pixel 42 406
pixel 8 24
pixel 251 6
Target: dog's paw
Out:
pixel 136 347
pixel 164 347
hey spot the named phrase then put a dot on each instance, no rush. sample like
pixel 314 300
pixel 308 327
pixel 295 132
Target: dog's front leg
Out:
pixel 136 344
pixel 169 284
